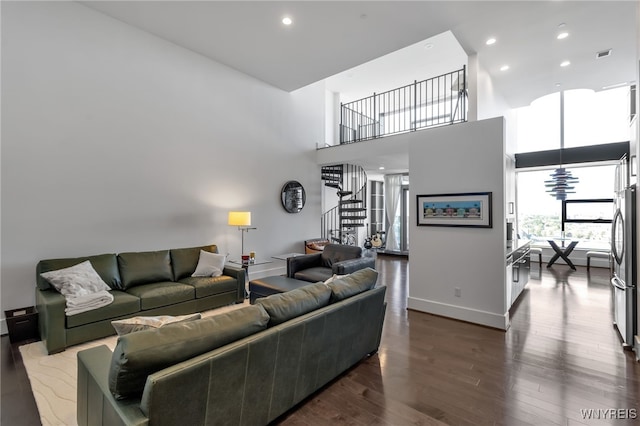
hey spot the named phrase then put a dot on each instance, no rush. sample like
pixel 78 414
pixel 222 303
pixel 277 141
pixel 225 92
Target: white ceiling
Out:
pixel 331 37
pixel 438 55
pixel 328 37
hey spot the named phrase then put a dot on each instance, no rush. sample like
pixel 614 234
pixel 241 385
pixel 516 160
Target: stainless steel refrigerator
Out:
pixel 623 251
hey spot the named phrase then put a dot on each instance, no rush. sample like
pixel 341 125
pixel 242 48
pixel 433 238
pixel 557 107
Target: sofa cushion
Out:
pixel 208 286
pixel 105 265
pixel 184 260
pixel 352 284
pixel 123 304
pixel 162 294
pixel 131 325
pixel 313 275
pixel 139 354
pixel 144 267
pixel 291 304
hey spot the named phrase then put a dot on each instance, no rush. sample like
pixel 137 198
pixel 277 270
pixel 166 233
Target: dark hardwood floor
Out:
pixel 560 358
pixel 17 406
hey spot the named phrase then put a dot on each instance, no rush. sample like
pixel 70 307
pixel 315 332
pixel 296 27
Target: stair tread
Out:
pixel 353 209
pixel 350 201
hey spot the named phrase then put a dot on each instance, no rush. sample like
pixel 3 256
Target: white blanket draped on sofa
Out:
pixel 87 302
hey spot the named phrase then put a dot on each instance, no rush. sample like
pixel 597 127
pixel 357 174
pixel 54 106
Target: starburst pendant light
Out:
pixel 562 181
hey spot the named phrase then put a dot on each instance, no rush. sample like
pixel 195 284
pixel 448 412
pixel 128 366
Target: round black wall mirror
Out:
pixel 293 196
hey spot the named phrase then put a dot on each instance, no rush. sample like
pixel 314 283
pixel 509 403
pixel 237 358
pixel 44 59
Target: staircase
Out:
pixel 341 223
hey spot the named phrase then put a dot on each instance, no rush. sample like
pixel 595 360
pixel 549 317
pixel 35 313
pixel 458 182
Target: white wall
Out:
pixel 462 158
pixel 114 140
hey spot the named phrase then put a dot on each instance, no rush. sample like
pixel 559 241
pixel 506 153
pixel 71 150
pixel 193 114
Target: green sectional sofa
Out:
pixel 245 367
pixel 143 284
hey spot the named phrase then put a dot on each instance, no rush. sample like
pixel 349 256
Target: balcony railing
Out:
pixel 433 102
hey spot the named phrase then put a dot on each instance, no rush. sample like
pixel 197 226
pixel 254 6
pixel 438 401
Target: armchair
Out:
pixel 334 259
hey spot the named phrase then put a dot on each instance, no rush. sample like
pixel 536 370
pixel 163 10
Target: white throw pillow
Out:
pixel 130 325
pixel 209 264
pixel 77 280
pixel 335 277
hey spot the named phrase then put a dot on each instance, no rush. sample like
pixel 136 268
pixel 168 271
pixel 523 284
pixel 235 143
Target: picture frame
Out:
pixel 471 209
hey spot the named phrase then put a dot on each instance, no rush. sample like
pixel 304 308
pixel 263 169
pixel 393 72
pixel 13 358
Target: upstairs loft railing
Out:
pixel 433 102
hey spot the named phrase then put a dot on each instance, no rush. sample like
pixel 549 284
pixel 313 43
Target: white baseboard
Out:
pixel 462 313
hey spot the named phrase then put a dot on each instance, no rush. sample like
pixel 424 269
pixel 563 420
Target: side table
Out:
pixel 286 257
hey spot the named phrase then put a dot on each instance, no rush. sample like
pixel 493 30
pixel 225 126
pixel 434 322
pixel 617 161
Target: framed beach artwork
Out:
pixel 471 209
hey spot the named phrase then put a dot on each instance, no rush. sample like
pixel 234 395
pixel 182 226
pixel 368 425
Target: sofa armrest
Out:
pixel 95 403
pixel 298 263
pixel 351 265
pixel 51 320
pixel 239 274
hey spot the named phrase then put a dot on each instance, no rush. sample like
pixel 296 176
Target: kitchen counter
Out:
pixel 515 245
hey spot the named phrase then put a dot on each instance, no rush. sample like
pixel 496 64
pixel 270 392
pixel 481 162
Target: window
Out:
pixel 593 118
pixel 531 135
pixel 540 215
pixel 583 211
pixel 588 220
pixel 590 118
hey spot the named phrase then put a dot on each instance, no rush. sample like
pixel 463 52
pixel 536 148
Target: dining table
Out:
pixel 563 251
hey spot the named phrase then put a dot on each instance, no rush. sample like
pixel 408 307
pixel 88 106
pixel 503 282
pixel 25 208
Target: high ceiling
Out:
pixel 361 47
pixel 328 37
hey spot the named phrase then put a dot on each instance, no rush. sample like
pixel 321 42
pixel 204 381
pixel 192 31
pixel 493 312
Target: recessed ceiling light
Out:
pixel 381 168
pixel 428 46
pixel 562 35
pixel 504 67
pixel 565 63
pixel 490 41
pixel 287 21
pixel 558 84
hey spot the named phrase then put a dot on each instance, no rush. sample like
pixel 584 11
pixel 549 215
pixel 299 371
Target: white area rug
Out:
pixel 53 377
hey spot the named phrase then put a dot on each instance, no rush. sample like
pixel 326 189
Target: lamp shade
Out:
pixel 240 218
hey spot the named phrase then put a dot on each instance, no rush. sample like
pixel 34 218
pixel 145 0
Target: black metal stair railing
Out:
pixel 433 102
pixel 340 224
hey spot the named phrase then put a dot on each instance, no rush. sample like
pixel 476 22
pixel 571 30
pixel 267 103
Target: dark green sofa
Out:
pixel 144 283
pixel 244 367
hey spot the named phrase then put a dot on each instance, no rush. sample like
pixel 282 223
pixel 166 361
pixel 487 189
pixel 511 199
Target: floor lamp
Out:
pixel 243 221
